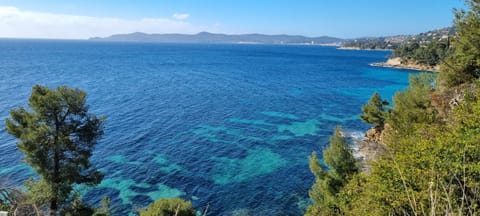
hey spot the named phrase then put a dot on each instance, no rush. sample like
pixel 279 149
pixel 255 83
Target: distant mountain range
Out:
pixel 387 42
pixel 206 37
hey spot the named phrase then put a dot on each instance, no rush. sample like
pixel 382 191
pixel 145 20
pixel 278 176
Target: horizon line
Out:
pixel 228 34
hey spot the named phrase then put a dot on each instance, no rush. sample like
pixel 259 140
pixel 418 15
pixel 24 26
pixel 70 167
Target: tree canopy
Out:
pixel 375 111
pixel 341 166
pixel 169 207
pixel 463 65
pixel 57 136
pixel 431 165
pixel 431 53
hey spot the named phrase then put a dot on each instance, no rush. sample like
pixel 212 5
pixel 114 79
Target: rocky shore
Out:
pixel 358 48
pixel 372 147
pixel 409 65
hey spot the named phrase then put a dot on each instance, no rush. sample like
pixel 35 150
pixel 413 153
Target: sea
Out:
pixel 229 127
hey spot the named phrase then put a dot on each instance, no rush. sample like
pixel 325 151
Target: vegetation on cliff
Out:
pixel 430 54
pixel 394 42
pixel 341 168
pixel 373 43
pixel 429 48
pixel 375 110
pixel 431 165
pixel 463 65
pixel 424 51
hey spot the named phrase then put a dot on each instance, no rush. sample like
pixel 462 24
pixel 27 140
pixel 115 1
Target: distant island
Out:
pixel 206 37
pixel 422 51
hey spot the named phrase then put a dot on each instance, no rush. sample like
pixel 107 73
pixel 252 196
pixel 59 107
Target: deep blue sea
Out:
pixel 228 126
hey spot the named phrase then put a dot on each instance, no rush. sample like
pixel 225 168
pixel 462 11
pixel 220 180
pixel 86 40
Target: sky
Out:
pixel 82 19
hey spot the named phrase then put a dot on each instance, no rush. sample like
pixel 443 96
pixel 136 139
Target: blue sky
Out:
pixel 340 18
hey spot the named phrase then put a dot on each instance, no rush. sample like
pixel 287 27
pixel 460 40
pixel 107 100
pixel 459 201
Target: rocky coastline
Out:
pixel 408 65
pixel 358 48
pixel 371 147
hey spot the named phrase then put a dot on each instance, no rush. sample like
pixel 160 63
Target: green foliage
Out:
pixel 341 167
pixel 4 207
pixel 406 50
pixel 432 170
pixel 39 192
pixel 432 162
pixel 371 43
pixel 463 65
pixel 413 105
pixel 402 44
pixel 432 53
pixel 431 166
pixel 57 137
pixel 374 112
pixel 169 207
pixel 339 158
pixel 104 207
pixel 76 207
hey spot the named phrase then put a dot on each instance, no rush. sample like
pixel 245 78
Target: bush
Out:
pixel 169 207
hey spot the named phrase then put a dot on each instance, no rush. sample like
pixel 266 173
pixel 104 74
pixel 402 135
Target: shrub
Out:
pixel 169 207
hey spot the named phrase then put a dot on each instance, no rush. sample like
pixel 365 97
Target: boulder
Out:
pixel 374 134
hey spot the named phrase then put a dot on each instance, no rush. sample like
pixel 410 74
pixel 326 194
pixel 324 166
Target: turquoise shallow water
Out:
pixel 230 126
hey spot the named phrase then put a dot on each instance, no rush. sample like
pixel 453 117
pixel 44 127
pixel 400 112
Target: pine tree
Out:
pixel 341 167
pixel 462 66
pixel 413 105
pixel 57 137
pixel 374 112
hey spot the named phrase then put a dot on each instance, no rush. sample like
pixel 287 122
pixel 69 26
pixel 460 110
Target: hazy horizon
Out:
pixel 342 19
pixel 333 36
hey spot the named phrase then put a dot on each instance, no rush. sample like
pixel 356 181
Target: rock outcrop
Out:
pixel 403 64
pixel 372 147
pixel 370 151
pixel 375 134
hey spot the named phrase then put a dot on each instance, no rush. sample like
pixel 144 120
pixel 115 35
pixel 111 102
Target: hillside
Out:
pixel 423 51
pixel 394 42
pixel 206 37
pixel 422 153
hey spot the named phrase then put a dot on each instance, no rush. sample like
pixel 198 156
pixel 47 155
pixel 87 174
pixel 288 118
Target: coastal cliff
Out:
pixel 422 52
pixel 372 147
